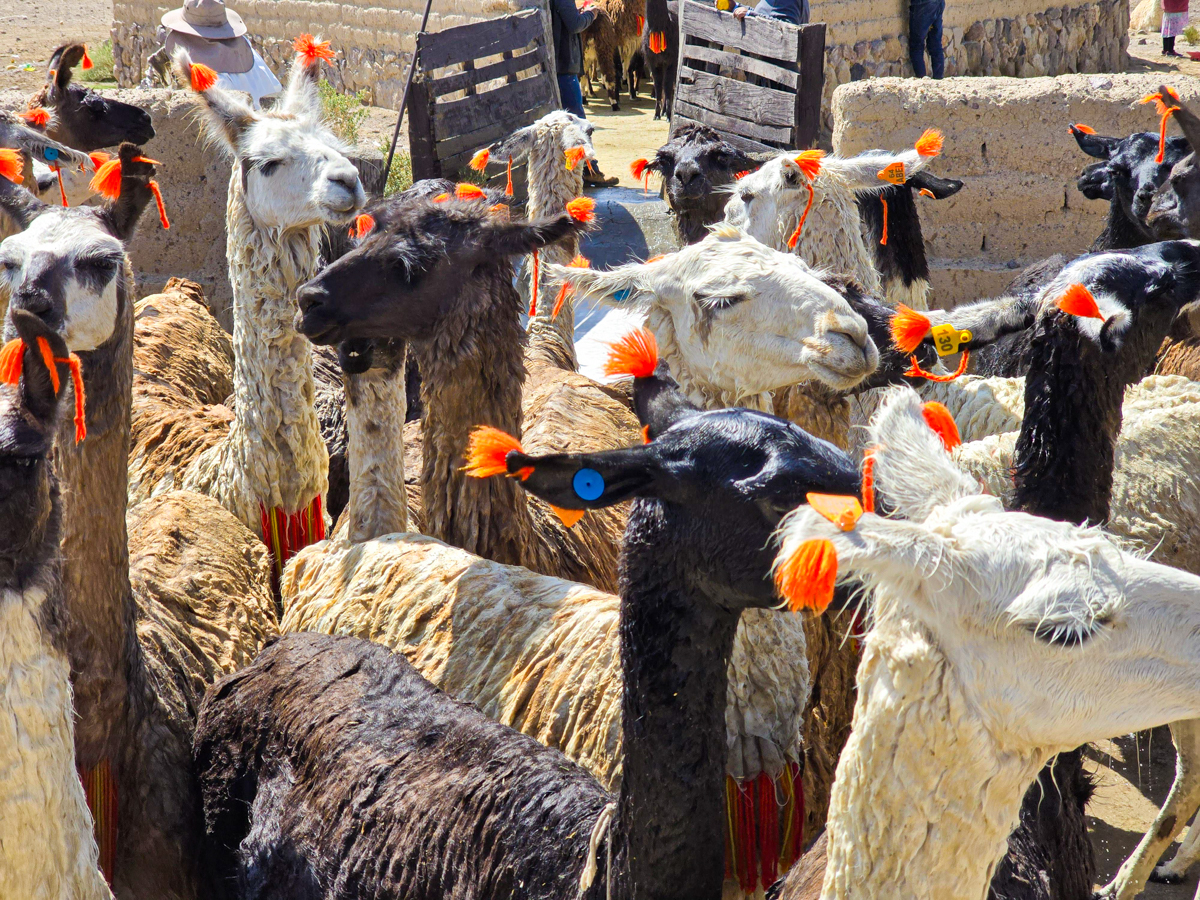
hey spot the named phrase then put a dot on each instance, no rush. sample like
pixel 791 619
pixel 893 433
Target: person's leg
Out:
pixel 917 26
pixel 572 95
pixel 1168 46
pixel 933 41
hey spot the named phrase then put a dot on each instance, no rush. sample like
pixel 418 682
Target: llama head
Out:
pixel 82 118
pixel 769 202
pixel 723 477
pixel 407 278
pixel 1056 635
pixel 32 143
pixel 740 317
pixel 547 141
pixel 67 266
pixel 1128 174
pixel 1175 208
pixel 694 164
pixel 293 170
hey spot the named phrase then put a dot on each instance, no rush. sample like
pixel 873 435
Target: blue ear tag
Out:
pixel 50 153
pixel 588 484
pixel 620 296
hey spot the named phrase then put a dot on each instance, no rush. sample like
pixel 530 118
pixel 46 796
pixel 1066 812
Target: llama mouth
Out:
pixel 316 334
pixel 838 379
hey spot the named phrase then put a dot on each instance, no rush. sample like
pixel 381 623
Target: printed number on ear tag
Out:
pixel 893 174
pixel 588 484
pixel 947 339
pixel 50 153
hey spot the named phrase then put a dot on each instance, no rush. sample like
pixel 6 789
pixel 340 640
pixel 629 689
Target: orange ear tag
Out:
pixel 947 339
pixel 567 516
pixel 893 174
pixel 926 192
pixel 843 511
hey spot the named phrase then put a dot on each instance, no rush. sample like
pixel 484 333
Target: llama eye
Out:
pixel 268 167
pixel 721 301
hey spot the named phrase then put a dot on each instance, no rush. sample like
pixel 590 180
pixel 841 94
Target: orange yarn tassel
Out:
pixel 11 364
pixel 12 165
pixel 915 370
pixel 87 60
pixel 203 77
pixel 37 117
pixel 487 452
pixel 1083 129
pixel 579 262
pixel 309 50
pixel 909 328
pixel 868 480
pixel 806 578
pixel 107 180
pixel 795 238
pixel 77 382
pixel 1164 111
pixel 480 160
pixel 533 289
pixel 574 155
pixel 508 188
pixel 883 238
pixel 466 191
pixel 363 225
pixel 48 362
pixel 635 354
pixel 941 423
pixel 12 356
pixel 62 188
pixel 100 790
pixel 582 209
pixel 930 142
pixel 158 201
pixel 809 162
pixel 1078 301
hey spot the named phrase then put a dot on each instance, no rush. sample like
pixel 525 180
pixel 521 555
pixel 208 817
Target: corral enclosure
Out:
pixel 1008 140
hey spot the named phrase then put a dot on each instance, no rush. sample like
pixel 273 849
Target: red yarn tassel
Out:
pixel 100 789
pixel 533 290
pixel 62 188
pixel 915 370
pixel 768 830
pixel 795 238
pixel 883 238
pixel 286 535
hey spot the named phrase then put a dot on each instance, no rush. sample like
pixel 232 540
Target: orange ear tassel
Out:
pixel 158 201
pixel 1083 129
pixel 1078 301
pixel 883 237
pixel 468 191
pixel 658 41
pixel 795 238
pixel 37 117
pixel 810 163
pixel 909 328
pixel 574 155
pixel 930 142
pixel 915 370
pixel 11 359
pixel 309 49
pixel 87 60
pixel 48 362
pixel 12 165
pixel 107 180
pixel 508 188
pixel 62 188
pixel 578 262
pixel 77 382
pixel 939 420
pixel 640 169
pixel 12 356
pixel 487 450
pixel 364 224
pixel 480 160
pixel 635 354
pixel 807 577
pixel 1164 111
pixel 582 209
pixel 203 77
pixel 868 479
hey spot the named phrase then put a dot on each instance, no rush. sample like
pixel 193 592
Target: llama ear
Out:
pixel 976 325
pixel 941 188
pixel 866 172
pixel 1188 123
pixel 516 238
pixel 58 71
pixel 300 97
pixel 659 403
pixel 913 471
pixel 123 213
pixel 629 285
pixel 587 480
pixel 1096 145
pixel 516 146
pixel 224 114
pixel 18 204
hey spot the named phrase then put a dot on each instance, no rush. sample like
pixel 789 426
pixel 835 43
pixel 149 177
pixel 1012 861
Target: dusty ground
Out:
pixel 1132 776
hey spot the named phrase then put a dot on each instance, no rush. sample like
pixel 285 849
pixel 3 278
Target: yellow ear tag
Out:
pixel 843 511
pixel 893 174
pixel 947 339
pixel 567 516
pixel 724 5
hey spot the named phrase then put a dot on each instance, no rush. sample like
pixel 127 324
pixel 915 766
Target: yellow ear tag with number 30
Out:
pixel 893 174
pixel 947 339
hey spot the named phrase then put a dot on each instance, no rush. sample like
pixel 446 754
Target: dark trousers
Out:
pixel 572 95
pixel 925 33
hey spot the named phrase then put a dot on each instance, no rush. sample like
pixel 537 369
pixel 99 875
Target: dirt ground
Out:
pixel 1132 776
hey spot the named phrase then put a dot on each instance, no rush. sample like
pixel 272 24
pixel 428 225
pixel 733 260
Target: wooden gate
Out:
pixel 475 84
pixel 757 81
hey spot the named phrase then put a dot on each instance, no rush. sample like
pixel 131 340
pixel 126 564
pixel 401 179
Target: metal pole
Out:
pixel 404 97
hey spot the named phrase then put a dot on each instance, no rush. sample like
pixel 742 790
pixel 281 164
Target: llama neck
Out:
pixel 274 456
pixel 668 839
pixel 551 186
pixel 832 236
pixel 375 407
pixel 1119 233
pixel 924 798
pixel 100 631
pixel 472 373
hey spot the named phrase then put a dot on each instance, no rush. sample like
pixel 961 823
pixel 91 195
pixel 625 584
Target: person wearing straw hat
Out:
pixel 216 36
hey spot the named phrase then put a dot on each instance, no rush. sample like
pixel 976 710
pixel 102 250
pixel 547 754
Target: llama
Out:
pixel 660 48
pixel 144 635
pixel 290 176
pixel 985 646
pixel 47 849
pixel 31 144
pixel 692 516
pixel 611 38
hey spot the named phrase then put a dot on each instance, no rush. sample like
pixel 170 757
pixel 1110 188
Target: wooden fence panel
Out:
pixel 756 80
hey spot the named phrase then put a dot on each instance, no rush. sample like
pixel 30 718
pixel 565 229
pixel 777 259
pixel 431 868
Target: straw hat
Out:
pixel 205 18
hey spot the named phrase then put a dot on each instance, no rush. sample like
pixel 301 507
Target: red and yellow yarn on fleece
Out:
pixel 100 789
pixel 287 534
pixel 764 834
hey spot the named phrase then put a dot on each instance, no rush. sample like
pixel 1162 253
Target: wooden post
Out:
pixel 420 133
pixel 811 66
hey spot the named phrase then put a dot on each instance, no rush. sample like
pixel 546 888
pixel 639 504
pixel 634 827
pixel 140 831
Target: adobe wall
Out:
pixel 1018 38
pixel 374 40
pixel 1008 139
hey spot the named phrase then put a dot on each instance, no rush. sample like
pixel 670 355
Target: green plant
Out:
pixel 102 63
pixel 399 176
pixel 1191 34
pixel 343 112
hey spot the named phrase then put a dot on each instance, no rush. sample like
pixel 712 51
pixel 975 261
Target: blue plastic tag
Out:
pixel 50 153
pixel 620 296
pixel 588 484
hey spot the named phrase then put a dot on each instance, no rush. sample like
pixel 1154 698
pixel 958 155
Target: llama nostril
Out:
pixel 38 304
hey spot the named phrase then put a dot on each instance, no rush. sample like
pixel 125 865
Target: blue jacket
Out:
pixel 794 11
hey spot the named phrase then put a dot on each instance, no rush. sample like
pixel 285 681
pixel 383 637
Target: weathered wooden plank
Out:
pixel 488 133
pixel 742 143
pixel 420 134
pixel 757 103
pixel 505 68
pixel 747 64
pixel 489 38
pixel 770 134
pixel 767 37
pixel 812 82
pixel 505 104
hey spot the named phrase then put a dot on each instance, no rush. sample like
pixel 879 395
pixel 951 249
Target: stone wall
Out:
pixel 374 40
pixel 194 179
pixel 1008 140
